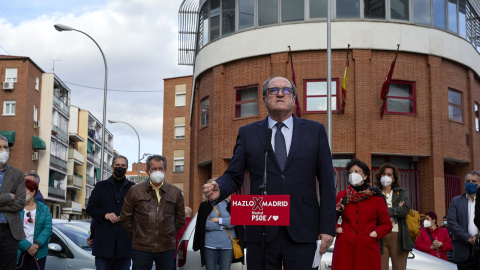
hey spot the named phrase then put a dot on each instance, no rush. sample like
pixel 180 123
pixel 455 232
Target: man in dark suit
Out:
pixel 12 201
pixel 111 246
pixel 301 156
pixel 460 219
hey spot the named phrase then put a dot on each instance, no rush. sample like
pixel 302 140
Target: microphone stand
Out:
pixel 263 191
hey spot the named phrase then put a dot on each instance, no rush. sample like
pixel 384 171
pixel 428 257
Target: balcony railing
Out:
pixel 61 105
pixel 90 180
pixel 71 206
pixel 75 181
pixel 108 147
pixel 58 163
pixel 86 202
pixel 56 193
pixel 76 156
pixel 93 158
pixel 61 134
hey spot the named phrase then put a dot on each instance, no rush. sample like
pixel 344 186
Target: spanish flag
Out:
pixel 344 82
pixel 386 85
pixel 298 110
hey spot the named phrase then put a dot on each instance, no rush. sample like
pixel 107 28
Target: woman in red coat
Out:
pixel 364 221
pixel 439 243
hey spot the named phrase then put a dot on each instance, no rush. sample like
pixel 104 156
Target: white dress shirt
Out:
pixel 472 229
pixel 287 132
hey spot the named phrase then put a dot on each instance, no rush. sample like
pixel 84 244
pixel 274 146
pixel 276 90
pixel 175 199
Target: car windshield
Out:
pixel 78 232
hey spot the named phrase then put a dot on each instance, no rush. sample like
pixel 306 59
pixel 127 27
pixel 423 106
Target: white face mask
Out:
pixel 386 181
pixel 355 179
pixel 157 177
pixel 427 223
pixel 4 157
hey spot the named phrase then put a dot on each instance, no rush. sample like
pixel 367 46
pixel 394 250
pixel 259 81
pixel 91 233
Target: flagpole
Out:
pixel 329 75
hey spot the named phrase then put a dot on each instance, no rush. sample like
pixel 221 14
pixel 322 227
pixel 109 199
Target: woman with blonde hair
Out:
pixel 397 243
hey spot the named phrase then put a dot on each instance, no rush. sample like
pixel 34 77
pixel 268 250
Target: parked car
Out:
pixel 187 259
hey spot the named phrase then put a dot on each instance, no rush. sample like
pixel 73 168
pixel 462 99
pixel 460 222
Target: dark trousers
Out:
pixel 102 263
pixel 471 264
pixel 143 260
pixel 281 251
pixel 28 262
pixel 8 250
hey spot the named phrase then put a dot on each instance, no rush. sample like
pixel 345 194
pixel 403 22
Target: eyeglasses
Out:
pixel 285 90
pixel 29 215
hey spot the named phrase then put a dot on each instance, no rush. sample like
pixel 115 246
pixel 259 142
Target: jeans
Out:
pixel 221 257
pixel 143 260
pixel 102 263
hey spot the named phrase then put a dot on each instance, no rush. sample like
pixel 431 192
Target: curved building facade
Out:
pixel 431 127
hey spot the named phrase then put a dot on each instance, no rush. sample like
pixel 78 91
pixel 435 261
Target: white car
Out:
pixel 187 259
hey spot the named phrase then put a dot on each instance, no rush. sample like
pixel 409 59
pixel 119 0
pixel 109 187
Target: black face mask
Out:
pixel 120 172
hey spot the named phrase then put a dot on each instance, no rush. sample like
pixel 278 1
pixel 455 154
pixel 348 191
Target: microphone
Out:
pixel 268 142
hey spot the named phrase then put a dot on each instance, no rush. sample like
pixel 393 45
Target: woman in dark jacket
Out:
pixel 200 230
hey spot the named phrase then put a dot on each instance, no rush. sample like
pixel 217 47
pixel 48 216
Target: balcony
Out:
pixel 61 105
pixel 77 157
pixel 59 133
pixel 74 181
pixel 71 207
pixel 58 163
pixel 95 160
pixel 86 202
pixel 55 192
pixel 108 147
pixel 90 180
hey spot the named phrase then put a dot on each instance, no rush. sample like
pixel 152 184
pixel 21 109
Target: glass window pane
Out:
pixel 374 9
pixel 320 88
pixel 399 105
pixel 455 113
pixel 348 9
pixel 247 94
pixel 316 103
pixel 421 12
pixel 452 15
pixel 249 109
pixel 214 19
pixel 318 8
pixel 267 12
pixel 228 17
pixel 454 98
pixel 204 25
pixel 293 10
pixel 462 10
pixel 477 118
pixel 399 10
pixel 400 90
pixel 439 9
pixel 180 100
pixel 245 14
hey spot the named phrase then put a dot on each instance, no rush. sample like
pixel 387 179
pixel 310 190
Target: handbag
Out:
pixel 237 249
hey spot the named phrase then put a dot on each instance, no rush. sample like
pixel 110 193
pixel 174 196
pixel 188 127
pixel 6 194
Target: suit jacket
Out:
pixel 13 182
pixel 457 219
pixel 309 160
pixel 109 238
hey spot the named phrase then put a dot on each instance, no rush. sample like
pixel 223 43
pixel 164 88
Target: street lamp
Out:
pixel 60 28
pixel 138 164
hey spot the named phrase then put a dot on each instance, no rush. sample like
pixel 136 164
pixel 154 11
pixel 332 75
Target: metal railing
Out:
pixel 453 187
pixel 56 192
pixel 61 134
pixel 90 180
pixel 93 158
pixel 75 180
pixel 58 163
pixel 61 105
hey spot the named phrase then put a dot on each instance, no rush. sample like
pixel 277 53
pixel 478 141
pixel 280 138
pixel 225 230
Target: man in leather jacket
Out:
pixel 152 214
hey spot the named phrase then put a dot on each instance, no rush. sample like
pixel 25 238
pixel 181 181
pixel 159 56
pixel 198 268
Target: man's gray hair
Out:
pixel 3 138
pixel 265 85
pixel 35 175
pixel 474 172
pixel 157 158
pixel 119 156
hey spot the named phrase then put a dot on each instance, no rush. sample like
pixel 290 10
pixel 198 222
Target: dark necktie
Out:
pixel 280 146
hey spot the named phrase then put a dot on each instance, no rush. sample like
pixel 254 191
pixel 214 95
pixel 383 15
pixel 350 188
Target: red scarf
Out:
pixel 354 196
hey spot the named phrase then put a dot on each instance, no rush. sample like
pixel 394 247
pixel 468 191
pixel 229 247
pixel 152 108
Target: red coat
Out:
pixel 424 242
pixel 354 248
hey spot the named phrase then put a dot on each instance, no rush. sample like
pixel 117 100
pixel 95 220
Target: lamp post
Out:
pixel 60 28
pixel 138 164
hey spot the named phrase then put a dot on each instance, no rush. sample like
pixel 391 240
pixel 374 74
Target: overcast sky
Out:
pixel 139 39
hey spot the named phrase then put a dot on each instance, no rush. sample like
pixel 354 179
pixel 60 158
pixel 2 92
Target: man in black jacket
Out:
pixel 112 246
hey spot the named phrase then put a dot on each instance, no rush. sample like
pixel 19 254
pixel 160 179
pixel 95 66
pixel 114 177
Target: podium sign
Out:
pixel 267 210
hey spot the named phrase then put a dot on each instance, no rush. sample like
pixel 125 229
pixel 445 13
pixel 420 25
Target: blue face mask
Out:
pixel 471 188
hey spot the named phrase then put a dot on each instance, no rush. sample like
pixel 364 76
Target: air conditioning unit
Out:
pixel 35 155
pixel 36 124
pixel 7 85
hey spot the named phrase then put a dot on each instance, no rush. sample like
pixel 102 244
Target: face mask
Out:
pixel 120 172
pixel 445 222
pixel 386 181
pixel 427 223
pixel 157 177
pixel 4 157
pixel 28 197
pixel 355 179
pixel 471 188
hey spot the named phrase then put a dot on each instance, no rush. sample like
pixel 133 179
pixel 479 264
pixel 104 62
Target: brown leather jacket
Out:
pixel 151 225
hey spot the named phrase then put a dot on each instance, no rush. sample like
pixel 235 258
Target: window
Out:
pixel 349 9
pixel 245 13
pixel 318 8
pixel 178 160
pixel 246 102
pixel 401 97
pixel 455 111
pixel 214 19
pixel 462 23
pixel 316 95
pixel 204 112
pixel 11 75
pixel 439 10
pixel 9 107
pixel 452 15
pixel 292 10
pixel 477 117
pixel 374 9
pixel 179 127
pixel 35 113
pixel 399 10
pixel 267 12
pixel 228 17
pixel 180 95
pixel 421 12
pixel 37 82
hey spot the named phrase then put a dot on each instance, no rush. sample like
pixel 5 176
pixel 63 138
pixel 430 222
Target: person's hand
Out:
pixel 214 219
pixel 400 204
pixel 339 230
pixel 112 217
pixel 89 241
pixel 373 234
pixel 211 191
pixel 327 240
pixel 13 196
pixel 472 239
pixel 32 250
pixel 433 246
pixel 437 243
